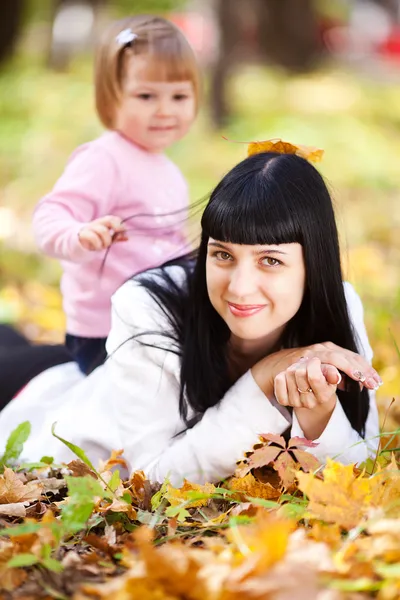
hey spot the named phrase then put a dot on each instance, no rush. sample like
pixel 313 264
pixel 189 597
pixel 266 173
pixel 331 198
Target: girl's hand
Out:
pixel 307 384
pixel 310 388
pixel 350 363
pixel 101 233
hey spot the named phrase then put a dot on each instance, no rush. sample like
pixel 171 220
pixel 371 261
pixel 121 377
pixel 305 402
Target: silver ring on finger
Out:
pixel 307 391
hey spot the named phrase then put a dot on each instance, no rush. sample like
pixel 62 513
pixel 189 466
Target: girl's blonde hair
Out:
pixel 171 59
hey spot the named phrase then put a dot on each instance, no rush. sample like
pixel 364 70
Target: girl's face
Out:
pixel 255 289
pixel 153 114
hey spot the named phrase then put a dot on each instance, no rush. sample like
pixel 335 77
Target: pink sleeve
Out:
pixel 84 192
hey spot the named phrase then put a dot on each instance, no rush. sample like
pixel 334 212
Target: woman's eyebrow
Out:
pixel 216 245
pixel 270 251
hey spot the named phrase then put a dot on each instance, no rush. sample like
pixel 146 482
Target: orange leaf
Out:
pixel 280 147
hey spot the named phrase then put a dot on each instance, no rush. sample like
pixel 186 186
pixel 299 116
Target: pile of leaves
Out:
pixel 282 527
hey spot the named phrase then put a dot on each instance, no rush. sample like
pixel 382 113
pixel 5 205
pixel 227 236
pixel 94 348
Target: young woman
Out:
pixel 256 333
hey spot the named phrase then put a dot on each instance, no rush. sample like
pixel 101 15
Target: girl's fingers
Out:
pixel 112 222
pixel 294 396
pixel 331 374
pixel 300 386
pixel 103 234
pixel 90 240
pixel 322 389
pixel 120 237
pixel 280 389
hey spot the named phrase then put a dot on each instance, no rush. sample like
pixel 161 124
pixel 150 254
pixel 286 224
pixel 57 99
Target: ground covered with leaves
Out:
pixel 282 527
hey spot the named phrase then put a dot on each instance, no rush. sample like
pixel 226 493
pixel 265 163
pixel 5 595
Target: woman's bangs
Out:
pixel 249 214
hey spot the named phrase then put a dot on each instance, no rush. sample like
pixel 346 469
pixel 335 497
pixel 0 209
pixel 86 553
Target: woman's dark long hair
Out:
pixel 266 199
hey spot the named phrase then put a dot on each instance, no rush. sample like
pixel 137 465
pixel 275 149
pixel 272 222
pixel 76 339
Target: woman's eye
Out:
pixel 180 97
pixel 222 256
pixel 145 96
pixel 271 262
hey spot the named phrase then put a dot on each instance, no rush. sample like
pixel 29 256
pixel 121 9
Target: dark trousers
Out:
pixel 89 353
pixel 21 361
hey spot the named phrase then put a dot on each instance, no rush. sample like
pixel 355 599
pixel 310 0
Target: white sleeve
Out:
pixel 339 440
pixel 145 380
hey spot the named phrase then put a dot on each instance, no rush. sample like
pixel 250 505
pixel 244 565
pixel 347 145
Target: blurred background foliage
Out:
pixel 346 100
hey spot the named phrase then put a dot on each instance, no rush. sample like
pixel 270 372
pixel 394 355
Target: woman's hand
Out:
pixel 101 233
pixel 350 363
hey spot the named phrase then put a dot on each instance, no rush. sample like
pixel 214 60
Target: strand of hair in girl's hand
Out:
pixel 190 244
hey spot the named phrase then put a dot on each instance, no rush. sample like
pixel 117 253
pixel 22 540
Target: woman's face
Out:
pixel 256 289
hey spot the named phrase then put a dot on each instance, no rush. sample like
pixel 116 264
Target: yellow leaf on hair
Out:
pixel 278 146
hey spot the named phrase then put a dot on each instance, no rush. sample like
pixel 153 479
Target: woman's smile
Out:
pixel 245 310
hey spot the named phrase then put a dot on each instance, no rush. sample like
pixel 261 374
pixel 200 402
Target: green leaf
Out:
pixel 158 497
pixel 177 511
pixel 388 571
pixel 52 565
pixel 23 529
pixel 293 511
pixel 82 492
pixel 115 481
pixel 75 449
pixel 23 560
pixel 127 497
pixel 75 515
pixel 31 466
pixel 84 487
pixel 15 443
pixel 47 459
pixel 362 584
pixel 263 502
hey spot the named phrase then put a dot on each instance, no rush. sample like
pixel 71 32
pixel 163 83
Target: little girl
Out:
pixel 147 92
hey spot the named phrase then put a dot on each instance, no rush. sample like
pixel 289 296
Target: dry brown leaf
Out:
pixel 10 578
pixel 79 469
pixel 115 459
pixel 12 489
pixel 119 505
pixel 14 509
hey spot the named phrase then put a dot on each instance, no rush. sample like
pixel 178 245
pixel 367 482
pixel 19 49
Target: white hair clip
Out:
pixel 125 37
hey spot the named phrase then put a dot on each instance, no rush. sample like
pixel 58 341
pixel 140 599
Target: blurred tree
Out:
pixel 281 32
pixel 74 23
pixel 126 7
pixel 73 29
pixel 11 16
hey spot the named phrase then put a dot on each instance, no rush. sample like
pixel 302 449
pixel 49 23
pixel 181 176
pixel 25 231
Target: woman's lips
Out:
pixel 245 310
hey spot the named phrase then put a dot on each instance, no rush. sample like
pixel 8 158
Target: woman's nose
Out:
pixel 243 282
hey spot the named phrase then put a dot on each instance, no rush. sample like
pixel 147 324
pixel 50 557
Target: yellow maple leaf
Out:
pixel 342 497
pixel 280 147
pixel 345 497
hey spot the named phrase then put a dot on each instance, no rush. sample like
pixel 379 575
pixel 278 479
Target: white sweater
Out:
pixel 131 402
